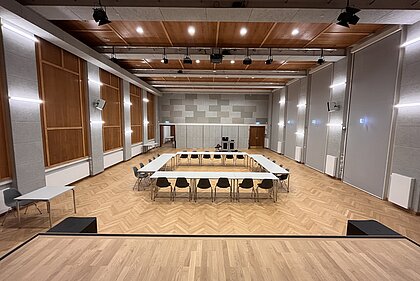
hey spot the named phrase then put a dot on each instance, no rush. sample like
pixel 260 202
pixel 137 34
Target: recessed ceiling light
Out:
pixel 214 71
pixel 252 77
pixel 243 31
pixel 140 30
pixel 232 61
pixel 174 76
pixel 227 77
pixel 295 32
pixel 197 61
pixel 191 30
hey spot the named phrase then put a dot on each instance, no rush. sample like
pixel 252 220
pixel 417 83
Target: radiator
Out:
pixel 266 143
pixel 298 154
pixel 331 165
pixel 400 190
pixel 280 147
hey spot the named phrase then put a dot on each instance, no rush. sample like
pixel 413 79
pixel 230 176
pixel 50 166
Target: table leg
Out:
pixel 49 212
pixel 18 210
pixel 74 200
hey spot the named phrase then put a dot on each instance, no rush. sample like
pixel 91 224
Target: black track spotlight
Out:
pixel 270 59
pixel 100 16
pixel 187 59
pixel 165 58
pixel 247 60
pixel 321 59
pixel 348 16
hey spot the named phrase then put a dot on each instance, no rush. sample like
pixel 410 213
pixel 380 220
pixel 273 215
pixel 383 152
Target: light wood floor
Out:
pixel 134 258
pixel 316 205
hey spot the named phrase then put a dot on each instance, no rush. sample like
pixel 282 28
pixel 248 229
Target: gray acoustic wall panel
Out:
pixel 126 119
pixel 406 152
pixel 243 138
pixel 96 161
pixel 212 135
pixel 195 136
pixel 293 92
pixel 181 136
pixel 145 128
pixel 301 113
pixel 275 108
pixel 214 108
pixel 282 118
pixel 370 114
pixel 25 117
pixel 318 118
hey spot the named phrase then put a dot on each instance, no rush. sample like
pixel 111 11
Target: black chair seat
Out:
pixel 229 156
pixel 266 184
pixel 162 182
pixel 204 184
pixel 246 183
pixel 217 156
pixel 206 156
pixel 240 157
pixel 223 183
pixel 181 183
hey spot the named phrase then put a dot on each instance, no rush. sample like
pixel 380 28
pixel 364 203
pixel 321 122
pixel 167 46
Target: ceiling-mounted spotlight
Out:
pixel 348 16
pixel 321 59
pixel 270 59
pixel 247 60
pixel 100 16
pixel 164 59
pixel 113 56
pixel 187 59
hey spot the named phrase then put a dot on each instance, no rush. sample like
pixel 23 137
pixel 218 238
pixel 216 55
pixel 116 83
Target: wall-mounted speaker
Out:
pixel 99 104
pixel 332 106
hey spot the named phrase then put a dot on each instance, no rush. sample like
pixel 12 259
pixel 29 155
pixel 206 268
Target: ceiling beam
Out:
pixel 217 91
pixel 309 4
pixel 222 85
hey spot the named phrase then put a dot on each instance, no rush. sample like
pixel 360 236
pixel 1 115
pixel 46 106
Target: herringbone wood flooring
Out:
pixel 316 204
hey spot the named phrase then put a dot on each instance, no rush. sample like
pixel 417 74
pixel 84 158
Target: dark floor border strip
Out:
pixel 18 247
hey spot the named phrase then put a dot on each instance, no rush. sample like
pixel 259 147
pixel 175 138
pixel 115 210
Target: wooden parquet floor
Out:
pixel 315 205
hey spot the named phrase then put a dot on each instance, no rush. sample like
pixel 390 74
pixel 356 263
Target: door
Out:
pixel 256 137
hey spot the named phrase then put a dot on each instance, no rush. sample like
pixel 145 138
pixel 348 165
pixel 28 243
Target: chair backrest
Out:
pixel 150 160
pixel 204 183
pixel 162 182
pixel 136 171
pixel 247 183
pixel 274 161
pixel 181 182
pixel 223 182
pixel 9 196
pixel 141 165
pixel 229 156
pixel 154 157
pixel 266 183
pixel 240 156
pixel 217 156
pixel 158 155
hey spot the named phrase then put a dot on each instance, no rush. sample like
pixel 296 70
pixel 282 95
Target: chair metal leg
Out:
pixel 258 195
pixel 36 206
pixel 5 216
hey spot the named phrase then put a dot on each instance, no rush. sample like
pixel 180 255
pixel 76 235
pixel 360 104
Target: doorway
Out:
pixel 167 135
pixel 256 136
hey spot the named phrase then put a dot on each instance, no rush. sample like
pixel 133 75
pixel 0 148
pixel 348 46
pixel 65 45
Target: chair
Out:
pixel 206 156
pixel 183 156
pixel 193 156
pixel 240 157
pixel 217 156
pixel 274 161
pixel 150 160
pixel 247 184
pixel 9 200
pixel 204 184
pixel 162 183
pixel 265 184
pixel 148 174
pixel 182 183
pixel 283 178
pixel 158 155
pixel 223 183
pixel 230 157
pixel 140 176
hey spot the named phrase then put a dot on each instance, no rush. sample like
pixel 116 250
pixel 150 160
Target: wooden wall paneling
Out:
pixel 112 113
pixel 136 111
pixel 64 108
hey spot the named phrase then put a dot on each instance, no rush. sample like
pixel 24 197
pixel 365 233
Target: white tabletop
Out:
pixel 210 153
pixel 45 193
pixel 212 175
pixel 268 164
pixel 156 164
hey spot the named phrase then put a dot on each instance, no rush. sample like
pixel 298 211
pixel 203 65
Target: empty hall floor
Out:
pixel 315 205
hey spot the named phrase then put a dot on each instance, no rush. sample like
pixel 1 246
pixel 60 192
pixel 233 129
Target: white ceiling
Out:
pixel 227 14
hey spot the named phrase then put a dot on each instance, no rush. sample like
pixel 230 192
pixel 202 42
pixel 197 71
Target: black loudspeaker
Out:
pixel 225 138
pixel 231 145
pixel 224 145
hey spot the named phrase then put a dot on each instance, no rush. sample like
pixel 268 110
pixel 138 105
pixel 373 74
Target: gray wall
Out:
pixel 406 154
pixel 25 118
pixel 338 94
pixel 275 116
pixel 126 119
pixel 372 99
pixel 318 118
pixel 217 109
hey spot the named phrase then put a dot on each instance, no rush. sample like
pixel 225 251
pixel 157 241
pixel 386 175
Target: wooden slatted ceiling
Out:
pixel 207 34
pixel 112 113
pixel 61 87
pixel 136 111
pixel 4 148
